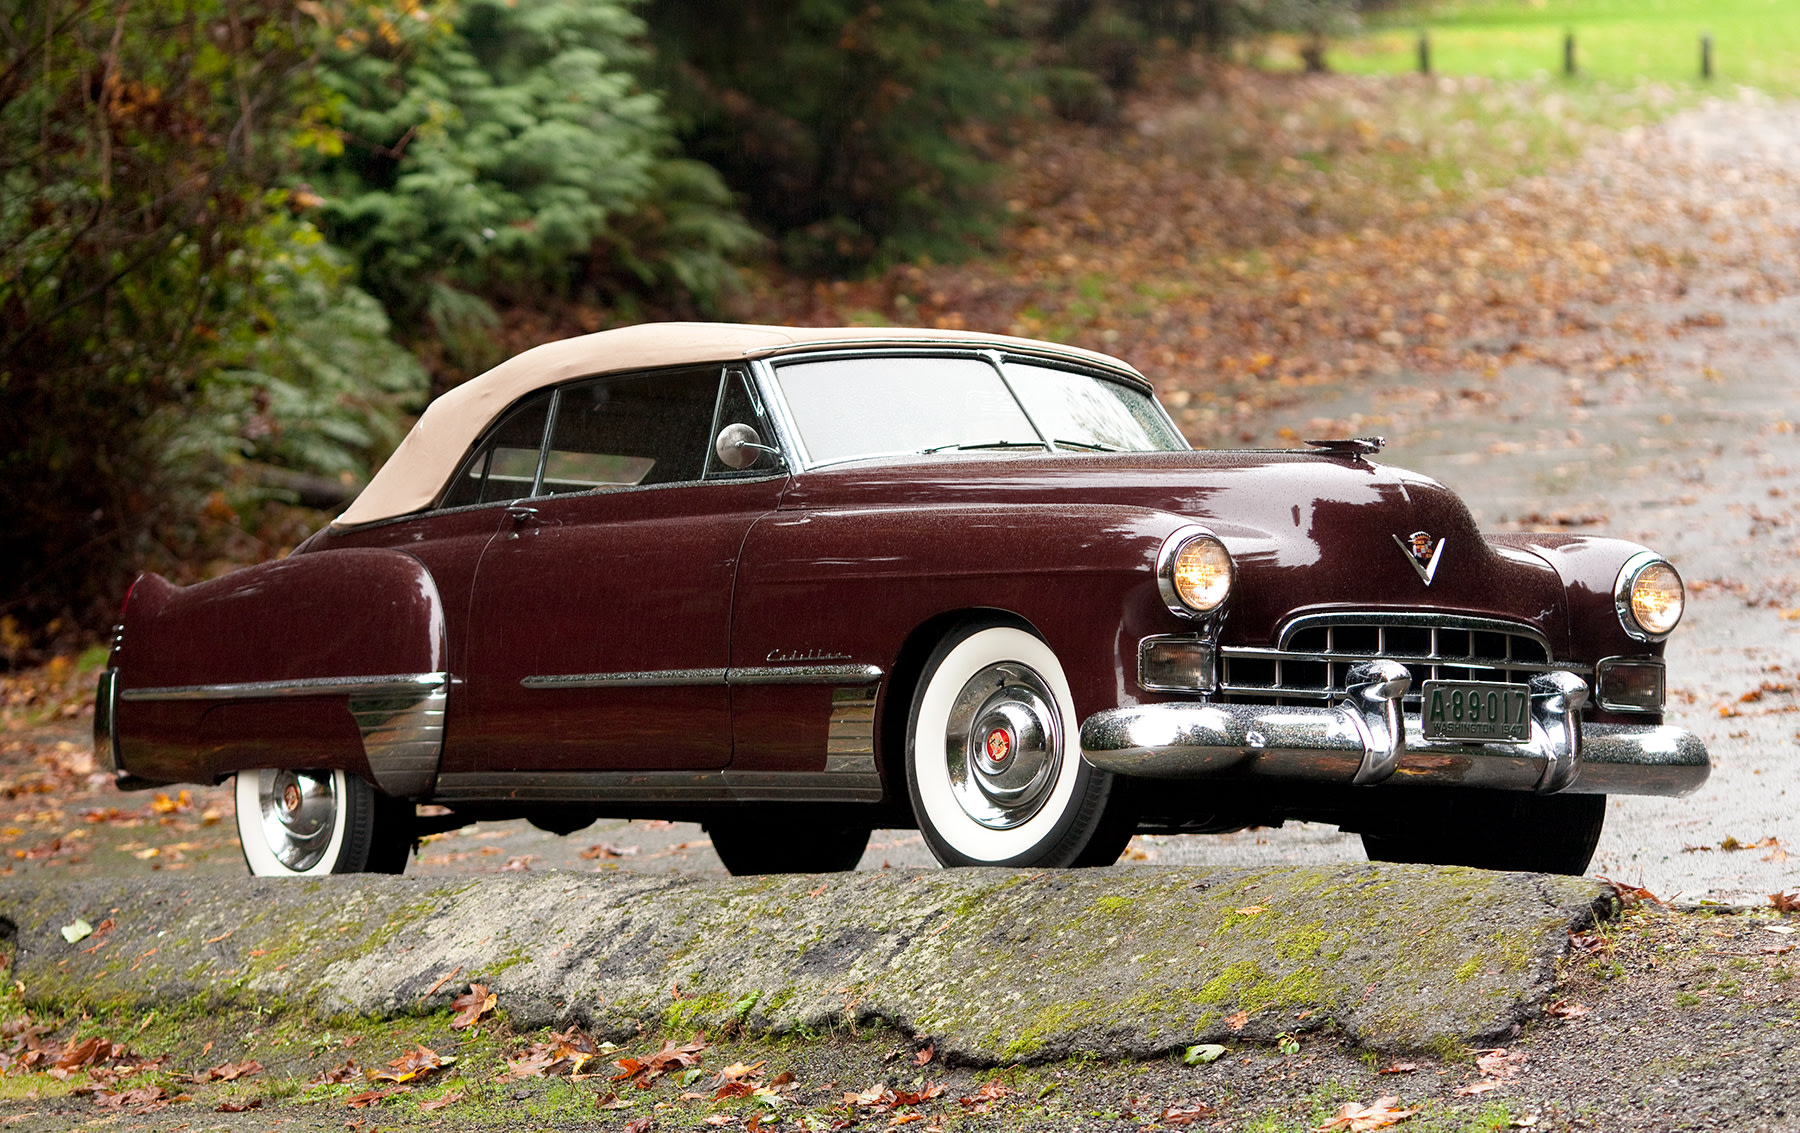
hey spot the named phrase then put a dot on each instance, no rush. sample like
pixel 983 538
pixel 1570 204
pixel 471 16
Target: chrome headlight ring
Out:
pixel 1659 579
pixel 1186 548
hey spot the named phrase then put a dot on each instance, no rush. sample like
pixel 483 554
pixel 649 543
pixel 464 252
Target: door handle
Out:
pixel 521 514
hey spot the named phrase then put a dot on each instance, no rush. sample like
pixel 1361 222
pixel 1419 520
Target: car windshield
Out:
pixel 850 408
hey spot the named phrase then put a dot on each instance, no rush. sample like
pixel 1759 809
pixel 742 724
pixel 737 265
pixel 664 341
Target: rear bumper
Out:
pixel 1368 739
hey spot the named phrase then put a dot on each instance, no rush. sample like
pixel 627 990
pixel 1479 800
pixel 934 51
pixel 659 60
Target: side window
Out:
pixel 505 466
pixel 643 429
pixel 741 438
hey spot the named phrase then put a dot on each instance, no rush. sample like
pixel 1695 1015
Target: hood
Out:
pixel 1308 533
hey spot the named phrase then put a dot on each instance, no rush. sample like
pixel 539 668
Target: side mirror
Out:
pixel 739 446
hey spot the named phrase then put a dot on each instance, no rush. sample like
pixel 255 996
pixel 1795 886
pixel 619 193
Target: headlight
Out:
pixel 1649 597
pixel 1194 572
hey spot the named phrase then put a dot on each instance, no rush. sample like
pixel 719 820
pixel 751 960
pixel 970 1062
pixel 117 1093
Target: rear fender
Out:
pixel 334 659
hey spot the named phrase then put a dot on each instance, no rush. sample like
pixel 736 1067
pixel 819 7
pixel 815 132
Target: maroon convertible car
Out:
pixel 795 584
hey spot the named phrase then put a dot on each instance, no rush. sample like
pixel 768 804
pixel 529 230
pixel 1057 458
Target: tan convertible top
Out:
pixel 430 454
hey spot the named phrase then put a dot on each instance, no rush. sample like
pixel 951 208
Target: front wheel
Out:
pixel 1498 830
pixel 993 759
pixel 308 823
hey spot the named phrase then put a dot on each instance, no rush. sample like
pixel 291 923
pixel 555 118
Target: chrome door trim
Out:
pixel 749 675
pixel 656 678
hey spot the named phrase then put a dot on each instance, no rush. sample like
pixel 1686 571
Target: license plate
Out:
pixel 1475 710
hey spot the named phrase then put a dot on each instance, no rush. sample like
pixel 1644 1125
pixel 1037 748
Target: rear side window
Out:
pixel 608 432
pixel 505 466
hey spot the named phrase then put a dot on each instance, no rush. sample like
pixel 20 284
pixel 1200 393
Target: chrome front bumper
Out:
pixel 1363 740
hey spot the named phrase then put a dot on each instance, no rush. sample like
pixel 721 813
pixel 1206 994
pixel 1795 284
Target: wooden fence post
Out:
pixel 1706 68
pixel 1569 54
pixel 1424 53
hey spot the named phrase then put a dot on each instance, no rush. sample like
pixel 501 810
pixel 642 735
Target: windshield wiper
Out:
pixel 983 444
pixel 1089 446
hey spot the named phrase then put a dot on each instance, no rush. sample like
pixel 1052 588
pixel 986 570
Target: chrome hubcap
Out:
pixel 299 809
pixel 1004 745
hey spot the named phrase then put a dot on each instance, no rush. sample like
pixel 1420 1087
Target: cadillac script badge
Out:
pixel 1422 554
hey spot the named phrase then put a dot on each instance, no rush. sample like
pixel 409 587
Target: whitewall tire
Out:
pixel 993 755
pixel 310 823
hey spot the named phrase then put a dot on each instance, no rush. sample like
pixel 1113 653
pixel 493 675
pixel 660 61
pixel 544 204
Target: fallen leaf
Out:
pixel 471 1006
pixel 607 850
pixel 1378 1114
pixel 1201 1053
pixel 1237 1020
pixel 232 1071
pixel 442 1102
pixel 78 931
pixel 641 1125
pixel 903 1097
pixel 1567 1009
pixel 372 1097
pixel 345 1073
pixel 1784 930
pixel 243 1107
pixel 925 1055
pixel 611 1100
pixel 1252 910
pixel 1398 1068
pixel 1785 902
pixel 415 1063
pixel 1474 1089
pixel 1500 1062
pixel 1184 1115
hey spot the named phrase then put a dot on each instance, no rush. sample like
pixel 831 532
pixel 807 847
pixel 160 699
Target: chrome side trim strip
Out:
pixel 804 675
pixel 658 787
pixel 310 686
pixel 401 718
pixel 657 678
pixel 754 675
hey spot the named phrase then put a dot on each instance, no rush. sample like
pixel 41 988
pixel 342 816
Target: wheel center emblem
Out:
pixel 999 745
pixel 290 798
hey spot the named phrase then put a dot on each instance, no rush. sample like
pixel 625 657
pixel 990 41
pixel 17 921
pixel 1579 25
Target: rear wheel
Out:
pixel 747 847
pixel 307 823
pixel 993 759
pixel 1499 830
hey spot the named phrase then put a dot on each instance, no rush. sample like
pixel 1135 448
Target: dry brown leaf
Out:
pixel 1237 1020
pixel 444 1102
pixel 1180 1116
pixel 232 1071
pixel 471 1006
pixel 372 1097
pixel 1378 1114
pixel 1567 1009
pixel 1785 902
pixel 1398 1068
pixel 415 1063
pixel 345 1073
pixel 925 1056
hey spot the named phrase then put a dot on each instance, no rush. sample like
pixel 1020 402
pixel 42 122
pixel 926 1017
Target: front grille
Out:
pixel 1316 653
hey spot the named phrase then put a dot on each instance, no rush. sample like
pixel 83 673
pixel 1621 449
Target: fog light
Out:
pixel 1629 686
pixel 1175 664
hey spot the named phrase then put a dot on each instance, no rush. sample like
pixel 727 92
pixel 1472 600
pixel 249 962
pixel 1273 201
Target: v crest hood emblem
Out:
pixel 1422 554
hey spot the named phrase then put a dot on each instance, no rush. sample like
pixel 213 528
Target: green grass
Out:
pixel 1755 42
